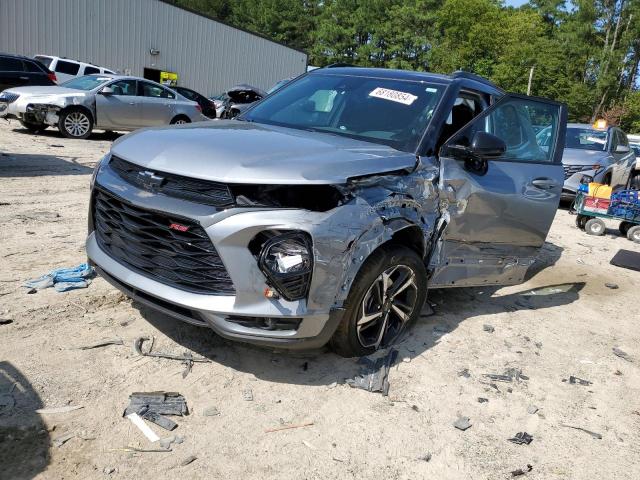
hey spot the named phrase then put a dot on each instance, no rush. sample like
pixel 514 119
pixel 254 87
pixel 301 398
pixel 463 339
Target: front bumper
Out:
pixel 25 110
pixel 572 183
pixel 231 231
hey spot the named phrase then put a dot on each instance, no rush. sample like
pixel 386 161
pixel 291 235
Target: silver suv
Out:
pixel 326 211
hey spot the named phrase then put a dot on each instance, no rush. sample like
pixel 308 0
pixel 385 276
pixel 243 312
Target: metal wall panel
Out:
pixel 208 56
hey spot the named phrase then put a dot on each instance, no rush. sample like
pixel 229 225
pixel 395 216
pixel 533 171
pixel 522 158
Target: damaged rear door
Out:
pixel 499 192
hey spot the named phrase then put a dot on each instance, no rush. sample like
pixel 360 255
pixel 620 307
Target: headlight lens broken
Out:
pixel 286 259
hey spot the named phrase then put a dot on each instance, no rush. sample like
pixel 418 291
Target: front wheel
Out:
pixel 385 298
pixel 634 182
pixel 75 123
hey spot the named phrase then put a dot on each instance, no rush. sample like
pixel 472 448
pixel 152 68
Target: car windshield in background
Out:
pixel 384 111
pixel 586 139
pixel 88 82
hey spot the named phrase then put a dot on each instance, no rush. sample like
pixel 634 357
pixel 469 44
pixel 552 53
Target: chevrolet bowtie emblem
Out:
pixel 150 180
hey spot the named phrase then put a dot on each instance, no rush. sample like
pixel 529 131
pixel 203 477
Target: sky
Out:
pixel 516 3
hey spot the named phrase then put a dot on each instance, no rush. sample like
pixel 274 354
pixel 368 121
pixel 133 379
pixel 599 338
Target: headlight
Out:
pixel 286 259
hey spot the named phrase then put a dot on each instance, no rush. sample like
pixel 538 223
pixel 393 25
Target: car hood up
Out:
pixel 46 91
pixel 233 151
pixel 577 156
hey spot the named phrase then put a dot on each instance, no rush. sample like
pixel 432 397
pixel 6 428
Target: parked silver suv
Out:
pixel 109 102
pixel 326 212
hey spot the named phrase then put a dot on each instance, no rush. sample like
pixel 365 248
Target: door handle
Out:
pixel 132 103
pixel 544 183
pixel 24 78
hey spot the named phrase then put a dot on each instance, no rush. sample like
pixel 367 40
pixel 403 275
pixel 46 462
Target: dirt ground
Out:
pixel 550 334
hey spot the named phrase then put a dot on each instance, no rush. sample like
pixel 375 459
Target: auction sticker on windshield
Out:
pixel 393 95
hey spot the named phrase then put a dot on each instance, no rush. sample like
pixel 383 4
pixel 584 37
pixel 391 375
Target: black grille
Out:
pixel 200 191
pixel 142 240
pixel 571 169
pixel 9 97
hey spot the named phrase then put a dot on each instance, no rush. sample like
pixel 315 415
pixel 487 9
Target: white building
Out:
pixel 145 38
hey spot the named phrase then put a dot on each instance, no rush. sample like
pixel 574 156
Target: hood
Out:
pixel 46 91
pixel 239 152
pixel 576 156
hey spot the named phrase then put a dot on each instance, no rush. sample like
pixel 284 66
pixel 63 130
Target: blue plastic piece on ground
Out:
pixel 63 279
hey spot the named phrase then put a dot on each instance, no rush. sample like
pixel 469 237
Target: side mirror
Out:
pixel 622 149
pixel 486 145
pixel 106 91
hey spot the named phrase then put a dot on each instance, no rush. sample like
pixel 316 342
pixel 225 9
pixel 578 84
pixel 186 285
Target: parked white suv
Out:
pixel 67 69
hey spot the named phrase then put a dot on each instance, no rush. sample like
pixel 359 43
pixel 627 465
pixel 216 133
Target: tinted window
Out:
pixel 187 93
pixel 586 139
pixel 126 88
pixel 32 67
pixel 384 111
pixel 513 122
pixel 91 70
pixel 70 68
pixel 85 83
pixel 623 138
pixel 108 71
pixel 46 61
pixel 9 64
pixel 155 91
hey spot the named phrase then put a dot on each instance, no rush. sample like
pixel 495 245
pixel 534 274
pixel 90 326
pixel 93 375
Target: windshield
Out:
pixel 384 111
pixel 88 82
pixel 586 139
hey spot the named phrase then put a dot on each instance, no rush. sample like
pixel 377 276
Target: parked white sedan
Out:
pixel 109 102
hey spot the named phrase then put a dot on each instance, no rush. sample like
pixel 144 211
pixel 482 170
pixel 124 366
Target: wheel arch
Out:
pixel 78 107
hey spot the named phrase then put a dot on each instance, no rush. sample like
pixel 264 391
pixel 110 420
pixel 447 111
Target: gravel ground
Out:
pixel 549 334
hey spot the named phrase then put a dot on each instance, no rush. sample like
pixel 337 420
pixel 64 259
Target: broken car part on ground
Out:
pixel 326 211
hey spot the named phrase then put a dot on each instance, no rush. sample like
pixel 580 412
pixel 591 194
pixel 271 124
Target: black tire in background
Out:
pixel 624 227
pixel 180 120
pixel 634 181
pixel 361 302
pixel 581 220
pixel 75 122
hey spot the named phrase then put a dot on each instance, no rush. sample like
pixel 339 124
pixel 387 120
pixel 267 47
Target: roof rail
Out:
pixel 338 65
pixel 471 76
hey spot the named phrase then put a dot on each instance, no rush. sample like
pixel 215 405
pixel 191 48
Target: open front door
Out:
pixel 500 181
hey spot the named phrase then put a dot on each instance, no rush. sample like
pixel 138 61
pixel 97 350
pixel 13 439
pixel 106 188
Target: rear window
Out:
pixel 91 70
pixel 46 61
pixel 10 64
pixel 69 68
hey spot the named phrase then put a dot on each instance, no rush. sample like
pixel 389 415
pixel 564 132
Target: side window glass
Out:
pixel 125 88
pixel 70 68
pixel 527 127
pixel 91 70
pixel 623 138
pixel 8 64
pixel 154 91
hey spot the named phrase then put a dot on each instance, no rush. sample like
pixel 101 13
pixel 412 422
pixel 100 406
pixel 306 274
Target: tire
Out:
pixel 180 120
pixel 633 234
pixel 389 316
pixel 581 220
pixel 595 226
pixel 624 228
pixel 634 181
pixel 34 127
pixel 75 123
pixel 607 179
